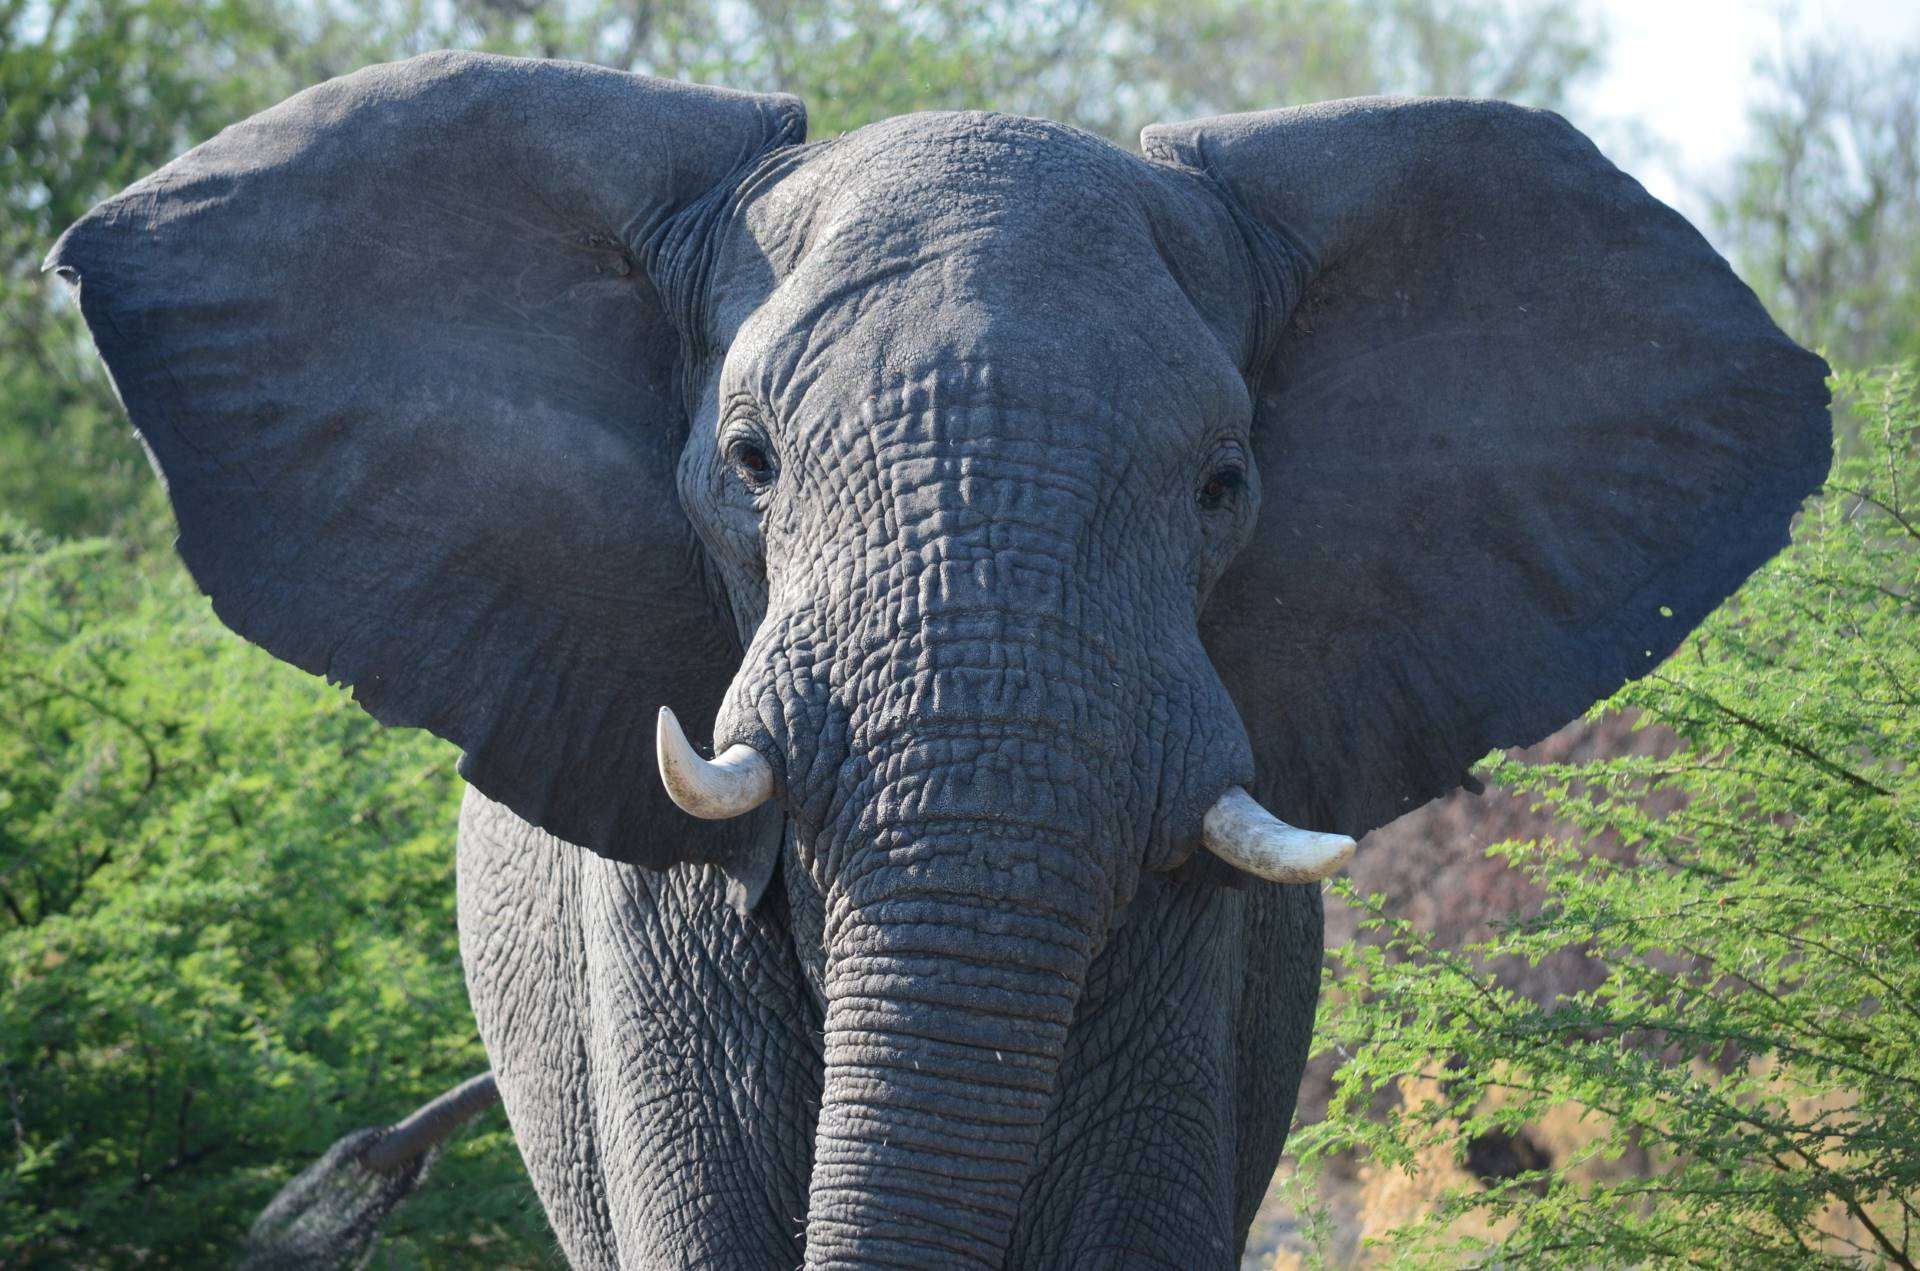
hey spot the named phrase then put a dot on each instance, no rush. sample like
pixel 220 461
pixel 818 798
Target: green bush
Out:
pixel 226 931
pixel 1753 1040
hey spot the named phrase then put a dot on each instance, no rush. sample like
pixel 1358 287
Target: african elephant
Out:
pixel 1002 505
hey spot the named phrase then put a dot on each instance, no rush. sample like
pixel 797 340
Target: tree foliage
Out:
pixel 1823 213
pixel 1753 1035
pixel 226 930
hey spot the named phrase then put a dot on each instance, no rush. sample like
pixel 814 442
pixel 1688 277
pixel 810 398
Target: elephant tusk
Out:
pixel 735 783
pixel 1241 832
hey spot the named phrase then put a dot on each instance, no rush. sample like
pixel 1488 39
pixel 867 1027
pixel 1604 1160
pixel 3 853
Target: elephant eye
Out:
pixel 750 459
pixel 1220 488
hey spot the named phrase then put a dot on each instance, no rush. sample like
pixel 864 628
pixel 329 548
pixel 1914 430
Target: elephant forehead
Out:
pixel 1007 266
pixel 1001 211
pixel 972 170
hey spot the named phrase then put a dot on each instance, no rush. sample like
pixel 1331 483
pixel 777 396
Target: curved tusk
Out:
pixel 737 782
pixel 1241 832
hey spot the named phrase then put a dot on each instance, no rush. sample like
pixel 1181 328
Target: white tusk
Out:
pixel 737 782
pixel 1241 832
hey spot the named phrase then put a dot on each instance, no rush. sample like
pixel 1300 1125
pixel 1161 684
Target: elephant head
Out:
pixel 1016 515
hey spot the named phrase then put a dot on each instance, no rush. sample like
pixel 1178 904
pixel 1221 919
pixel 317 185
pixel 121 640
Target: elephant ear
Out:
pixel 394 348
pixel 1518 429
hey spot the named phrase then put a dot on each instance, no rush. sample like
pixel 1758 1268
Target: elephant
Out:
pixel 1038 531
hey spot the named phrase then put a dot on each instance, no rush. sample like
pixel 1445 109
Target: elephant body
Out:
pixel 1018 516
pixel 663 1127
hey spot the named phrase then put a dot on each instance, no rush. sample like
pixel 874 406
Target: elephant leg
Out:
pixel 657 1053
pixel 1141 1146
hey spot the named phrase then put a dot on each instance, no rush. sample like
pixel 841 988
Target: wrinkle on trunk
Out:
pixel 946 1021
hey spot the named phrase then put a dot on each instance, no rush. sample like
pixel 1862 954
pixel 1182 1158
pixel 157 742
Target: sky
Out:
pixel 1670 104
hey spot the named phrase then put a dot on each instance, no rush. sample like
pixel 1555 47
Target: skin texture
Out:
pixel 1013 497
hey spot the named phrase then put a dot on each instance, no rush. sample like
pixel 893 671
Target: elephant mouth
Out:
pixel 1236 828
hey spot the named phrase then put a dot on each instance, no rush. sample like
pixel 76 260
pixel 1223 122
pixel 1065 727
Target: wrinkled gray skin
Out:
pixel 1014 497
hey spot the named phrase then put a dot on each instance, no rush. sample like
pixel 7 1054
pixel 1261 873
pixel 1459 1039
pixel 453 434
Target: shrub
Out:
pixel 226 932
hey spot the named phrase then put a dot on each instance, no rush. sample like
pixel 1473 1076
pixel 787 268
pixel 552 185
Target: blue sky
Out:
pixel 1671 103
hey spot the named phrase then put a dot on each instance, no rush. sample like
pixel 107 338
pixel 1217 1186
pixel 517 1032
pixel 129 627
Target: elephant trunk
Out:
pixel 957 723
pixel 947 1015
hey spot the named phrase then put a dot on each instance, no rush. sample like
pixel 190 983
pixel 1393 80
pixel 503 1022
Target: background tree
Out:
pixel 1823 215
pixel 1152 60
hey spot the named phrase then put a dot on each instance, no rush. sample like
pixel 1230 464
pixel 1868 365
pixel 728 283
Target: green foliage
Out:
pixel 1754 1034
pixel 226 931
